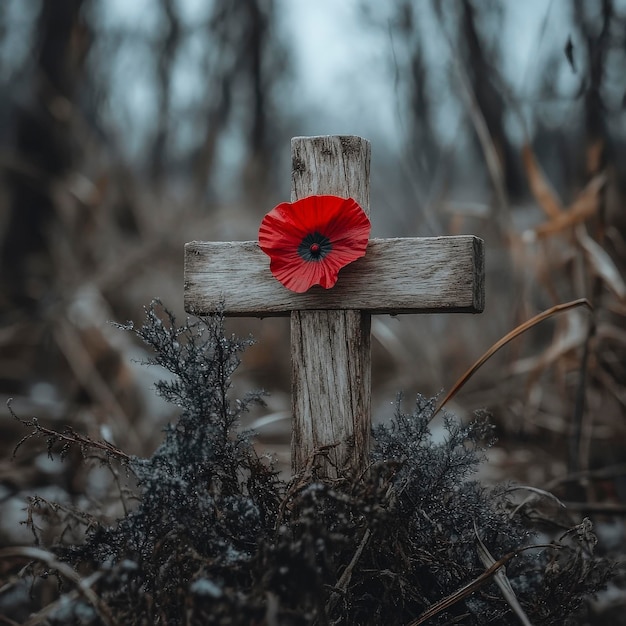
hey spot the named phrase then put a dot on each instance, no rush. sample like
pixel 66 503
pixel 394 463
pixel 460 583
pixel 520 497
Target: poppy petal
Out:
pixel 310 240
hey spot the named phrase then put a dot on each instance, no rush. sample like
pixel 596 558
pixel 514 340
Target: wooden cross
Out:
pixel 330 329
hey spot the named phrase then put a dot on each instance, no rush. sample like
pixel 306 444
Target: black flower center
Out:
pixel 314 247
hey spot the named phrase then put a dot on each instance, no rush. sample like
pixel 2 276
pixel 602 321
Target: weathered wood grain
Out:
pixel 330 350
pixel 412 275
pixel 331 389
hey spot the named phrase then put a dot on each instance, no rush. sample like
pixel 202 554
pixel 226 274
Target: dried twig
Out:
pixel 68 437
pixel 50 559
pixel 522 328
pixel 501 580
pixel 345 578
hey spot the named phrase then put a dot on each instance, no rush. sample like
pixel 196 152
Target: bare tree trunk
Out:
pixel 165 65
pixel 43 151
pixel 490 100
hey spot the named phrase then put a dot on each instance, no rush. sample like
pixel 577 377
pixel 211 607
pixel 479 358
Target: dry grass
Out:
pixel 557 392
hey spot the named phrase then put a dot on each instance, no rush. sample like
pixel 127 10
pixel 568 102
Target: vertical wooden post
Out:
pixel 331 373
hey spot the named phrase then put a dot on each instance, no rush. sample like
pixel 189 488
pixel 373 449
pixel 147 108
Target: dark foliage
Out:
pixel 218 539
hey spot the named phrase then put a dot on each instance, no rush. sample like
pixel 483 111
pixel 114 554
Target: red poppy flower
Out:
pixel 310 240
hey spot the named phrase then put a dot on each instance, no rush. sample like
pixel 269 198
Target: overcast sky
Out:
pixel 336 54
pixel 344 69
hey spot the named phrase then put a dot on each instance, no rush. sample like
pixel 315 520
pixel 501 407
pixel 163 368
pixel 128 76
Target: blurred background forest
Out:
pixel 129 128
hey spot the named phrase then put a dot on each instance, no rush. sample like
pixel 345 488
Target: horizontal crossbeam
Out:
pixel 405 275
